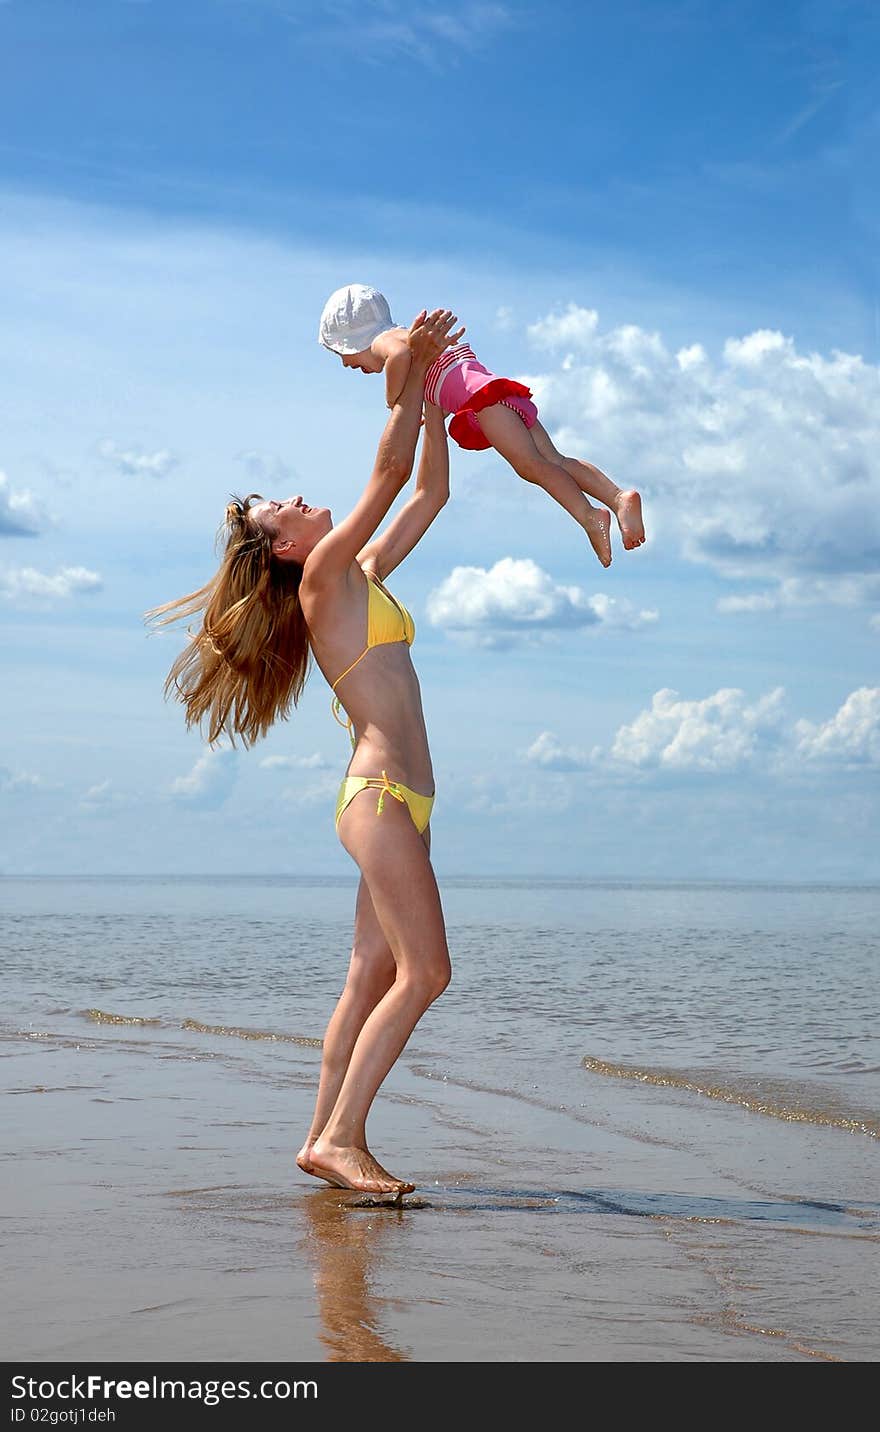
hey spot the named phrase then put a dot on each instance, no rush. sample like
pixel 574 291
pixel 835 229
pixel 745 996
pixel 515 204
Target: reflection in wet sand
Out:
pixel 345 1248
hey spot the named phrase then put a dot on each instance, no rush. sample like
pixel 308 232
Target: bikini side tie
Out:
pixel 347 724
pixel 388 788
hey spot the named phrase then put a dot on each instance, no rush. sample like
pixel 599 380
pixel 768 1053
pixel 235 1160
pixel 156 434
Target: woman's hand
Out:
pixel 430 334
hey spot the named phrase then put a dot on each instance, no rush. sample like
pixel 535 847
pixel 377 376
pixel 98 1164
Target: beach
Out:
pixel 160 1050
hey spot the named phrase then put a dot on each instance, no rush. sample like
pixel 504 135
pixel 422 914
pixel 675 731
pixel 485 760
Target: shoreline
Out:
pixel 458 880
pixel 587 1189
pixel 157 1212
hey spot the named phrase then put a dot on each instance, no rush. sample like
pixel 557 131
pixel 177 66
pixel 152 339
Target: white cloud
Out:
pixel 315 762
pixel 575 328
pixel 318 792
pixel 493 794
pixel 753 350
pixel 823 88
pixel 725 732
pixel 751 602
pixel 844 591
pixel 98 793
pixel 18 780
pixel 764 463
pixel 719 733
pixel 389 27
pixel 516 599
pixel 210 781
pixel 548 752
pixel 714 458
pixel 20 513
pixel 24 582
pixel 269 471
pixel 619 612
pixel 852 735
pixel 133 462
pixel 691 357
pixel 513 596
pixel 102 799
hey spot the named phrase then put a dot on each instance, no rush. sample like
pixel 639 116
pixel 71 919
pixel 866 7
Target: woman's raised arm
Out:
pixel 409 525
pixel 333 555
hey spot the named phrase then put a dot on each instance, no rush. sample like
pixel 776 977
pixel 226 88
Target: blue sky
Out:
pixel 659 215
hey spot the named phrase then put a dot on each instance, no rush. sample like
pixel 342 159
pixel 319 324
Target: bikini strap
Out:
pixel 350 668
pixel 336 704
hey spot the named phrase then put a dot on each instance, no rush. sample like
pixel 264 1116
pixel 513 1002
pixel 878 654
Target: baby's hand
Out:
pixel 430 334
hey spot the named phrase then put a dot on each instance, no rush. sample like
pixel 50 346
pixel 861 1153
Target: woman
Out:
pixel 290 583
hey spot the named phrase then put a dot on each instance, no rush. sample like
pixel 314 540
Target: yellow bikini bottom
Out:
pixel 419 806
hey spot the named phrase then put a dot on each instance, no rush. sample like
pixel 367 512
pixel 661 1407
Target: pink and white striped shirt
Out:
pixel 439 370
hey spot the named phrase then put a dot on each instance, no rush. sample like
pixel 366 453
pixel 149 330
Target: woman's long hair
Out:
pixel 249 659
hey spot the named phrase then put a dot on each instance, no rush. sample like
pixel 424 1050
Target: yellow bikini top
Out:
pixel 387 620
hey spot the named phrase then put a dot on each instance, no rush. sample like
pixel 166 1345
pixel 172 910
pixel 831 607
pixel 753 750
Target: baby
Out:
pixel 488 411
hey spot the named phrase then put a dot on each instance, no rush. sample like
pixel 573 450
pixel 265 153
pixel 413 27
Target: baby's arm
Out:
pixel 397 366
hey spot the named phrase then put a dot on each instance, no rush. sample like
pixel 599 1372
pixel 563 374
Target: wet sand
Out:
pixel 153 1210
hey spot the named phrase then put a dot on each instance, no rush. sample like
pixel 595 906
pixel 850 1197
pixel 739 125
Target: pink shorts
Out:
pixel 467 388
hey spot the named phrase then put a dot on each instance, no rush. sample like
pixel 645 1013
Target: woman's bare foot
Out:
pixel 353 1168
pixel 628 510
pixel 598 529
pixel 304 1159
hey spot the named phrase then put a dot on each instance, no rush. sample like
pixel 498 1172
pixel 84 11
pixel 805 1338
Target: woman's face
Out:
pixel 295 528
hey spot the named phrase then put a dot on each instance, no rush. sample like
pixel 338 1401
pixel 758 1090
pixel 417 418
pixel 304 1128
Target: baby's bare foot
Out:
pixel 629 517
pixel 350 1167
pixel 598 529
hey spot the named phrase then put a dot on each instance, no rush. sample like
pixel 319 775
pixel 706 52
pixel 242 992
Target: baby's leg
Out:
pixel 625 504
pixel 511 438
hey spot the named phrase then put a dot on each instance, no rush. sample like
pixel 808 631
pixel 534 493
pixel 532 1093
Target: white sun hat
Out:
pixel 353 316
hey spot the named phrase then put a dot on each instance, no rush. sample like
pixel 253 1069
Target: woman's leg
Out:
pixel 396 867
pixel 371 974
pixel 626 504
pixel 510 437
